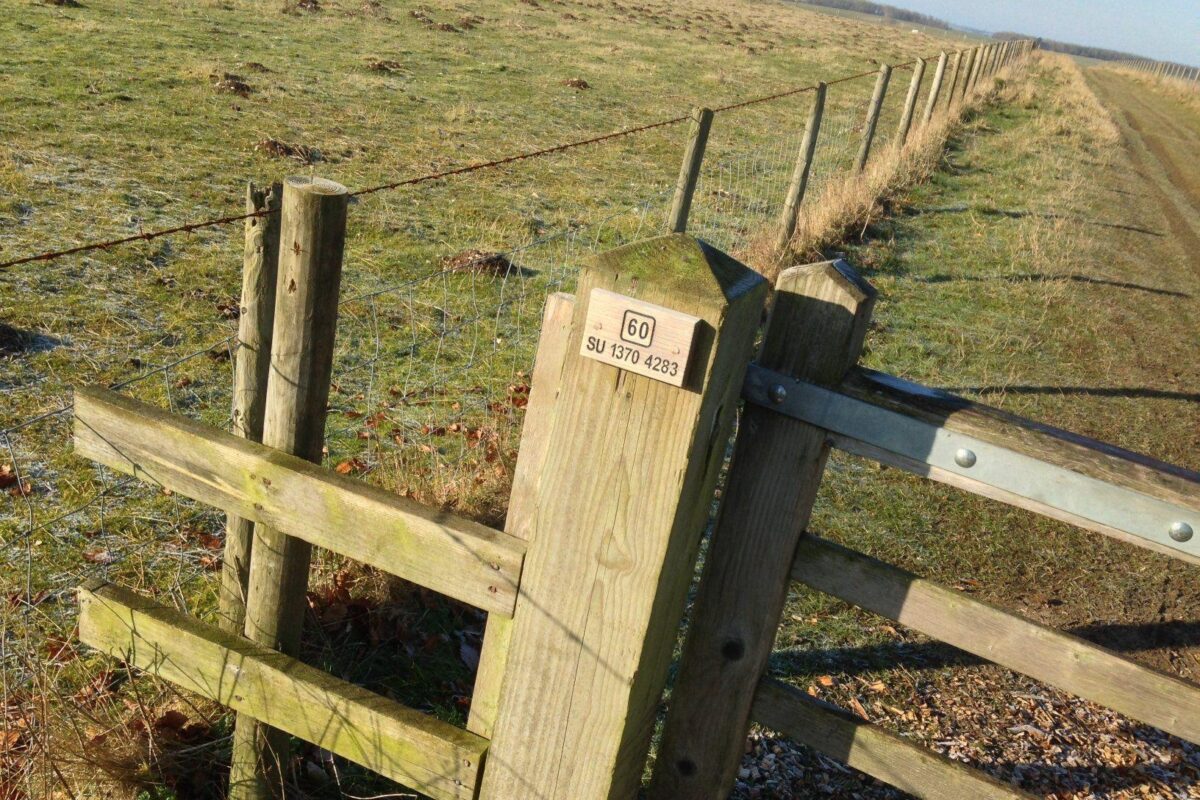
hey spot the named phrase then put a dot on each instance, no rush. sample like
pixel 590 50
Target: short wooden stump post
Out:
pixel 631 462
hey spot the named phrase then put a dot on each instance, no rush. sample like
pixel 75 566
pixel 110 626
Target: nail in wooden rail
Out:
pixel 252 364
pixel 910 102
pixel 1059 659
pixel 522 502
pixel 816 331
pixel 881 84
pixel 935 89
pixel 689 171
pixel 624 495
pixel 804 160
pixel 312 237
pixel 883 755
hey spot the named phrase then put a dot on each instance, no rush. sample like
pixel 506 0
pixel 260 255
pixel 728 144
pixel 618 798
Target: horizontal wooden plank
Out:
pixel 1120 494
pixel 432 548
pixel 402 744
pixel 866 747
pixel 1050 656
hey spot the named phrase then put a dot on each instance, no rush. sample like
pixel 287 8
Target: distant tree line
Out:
pixel 1070 49
pixel 882 10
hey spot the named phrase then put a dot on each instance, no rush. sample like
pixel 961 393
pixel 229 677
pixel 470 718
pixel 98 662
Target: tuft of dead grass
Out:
pixel 848 204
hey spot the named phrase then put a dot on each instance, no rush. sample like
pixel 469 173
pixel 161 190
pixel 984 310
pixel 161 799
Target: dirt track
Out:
pixel 1162 138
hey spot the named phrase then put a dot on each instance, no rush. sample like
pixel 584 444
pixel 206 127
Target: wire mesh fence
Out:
pixel 440 317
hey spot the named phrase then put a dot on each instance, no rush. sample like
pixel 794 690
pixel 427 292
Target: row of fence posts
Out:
pixel 1161 69
pixel 965 69
pixel 288 312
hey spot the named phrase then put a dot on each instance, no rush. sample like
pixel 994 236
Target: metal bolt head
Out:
pixel 1181 531
pixel 964 457
pixel 777 393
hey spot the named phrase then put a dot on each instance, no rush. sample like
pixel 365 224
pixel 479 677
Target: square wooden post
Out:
pixel 815 333
pixel 625 491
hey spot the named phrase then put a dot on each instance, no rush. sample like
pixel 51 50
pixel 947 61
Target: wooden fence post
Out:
pixel 815 333
pixel 950 95
pixel 804 160
pixel 689 171
pixel 935 88
pixel 881 84
pixel 312 236
pixel 968 68
pixel 910 102
pixel 252 365
pixel 522 506
pixel 625 491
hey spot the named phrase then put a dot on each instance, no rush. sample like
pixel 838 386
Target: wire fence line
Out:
pixel 438 325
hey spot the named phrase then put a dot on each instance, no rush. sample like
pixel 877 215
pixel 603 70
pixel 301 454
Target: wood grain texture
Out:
pixel 522 502
pixel 883 755
pixel 623 499
pixel 815 332
pixel 872 121
pixel 689 170
pixel 935 88
pixel 427 546
pixel 803 168
pixel 910 102
pixel 252 364
pixel 1040 652
pixel 397 742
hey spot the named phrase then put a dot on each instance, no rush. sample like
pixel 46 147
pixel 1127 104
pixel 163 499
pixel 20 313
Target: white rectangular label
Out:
pixel 638 336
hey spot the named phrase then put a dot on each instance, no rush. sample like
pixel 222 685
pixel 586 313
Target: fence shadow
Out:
pixel 1123 638
pixel 1022 213
pixel 1132 392
pixel 1039 277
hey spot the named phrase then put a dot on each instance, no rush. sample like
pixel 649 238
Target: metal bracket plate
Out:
pixel 914 439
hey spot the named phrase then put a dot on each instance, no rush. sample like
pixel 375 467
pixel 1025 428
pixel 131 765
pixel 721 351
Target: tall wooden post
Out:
pixel 312 236
pixel 881 84
pixel 910 102
pixel 815 333
pixel 803 168
pixel 522 501
pixel 967 70
pixel 935 88
pixel 631 464
pixel 689 171
pixel 252 364
pixel 953 93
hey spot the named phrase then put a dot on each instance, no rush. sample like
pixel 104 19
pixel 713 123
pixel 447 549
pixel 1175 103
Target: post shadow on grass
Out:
pixel 1132 392
pixel 862 659
pixel 962 208
pixel 15 341
pixel 1039 277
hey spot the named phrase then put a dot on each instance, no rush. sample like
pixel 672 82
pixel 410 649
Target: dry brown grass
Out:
pixel 1185 92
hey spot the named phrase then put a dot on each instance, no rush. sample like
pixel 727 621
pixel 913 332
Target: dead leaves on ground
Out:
pixel 14 484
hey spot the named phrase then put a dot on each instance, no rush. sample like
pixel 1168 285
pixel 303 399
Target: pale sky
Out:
pixel 1168 30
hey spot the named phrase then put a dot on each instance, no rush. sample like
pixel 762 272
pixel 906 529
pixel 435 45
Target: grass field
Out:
pixel 1023 272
